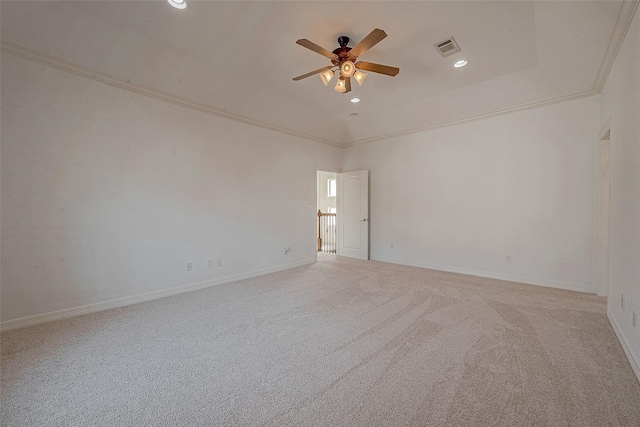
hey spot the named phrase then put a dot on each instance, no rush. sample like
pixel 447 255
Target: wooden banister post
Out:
pixel 319 233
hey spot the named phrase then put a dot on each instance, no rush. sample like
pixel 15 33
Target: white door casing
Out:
pixel 352 204
pixel 603 211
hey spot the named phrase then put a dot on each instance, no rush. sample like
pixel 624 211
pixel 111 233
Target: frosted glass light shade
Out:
pixel 178 4
pixel 347 68
pixel 326 77
pixel 341 86
pixel 360 76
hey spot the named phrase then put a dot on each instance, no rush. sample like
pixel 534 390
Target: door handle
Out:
pixel 363 220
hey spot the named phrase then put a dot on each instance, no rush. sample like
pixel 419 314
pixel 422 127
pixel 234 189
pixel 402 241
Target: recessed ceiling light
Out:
pixel 354 100
pixel 461 63
pixel 178 4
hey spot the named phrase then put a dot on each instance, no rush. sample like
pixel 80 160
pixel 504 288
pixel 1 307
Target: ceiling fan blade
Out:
pixel 347 85
pixel 319 49
pixel 372 39
pixel 319 70
pixel 377 68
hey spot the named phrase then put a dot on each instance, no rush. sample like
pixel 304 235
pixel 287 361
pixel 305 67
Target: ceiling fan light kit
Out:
pixel 347 68
pixel 359 76
pixel 343 85
pixel 345 58
pixel 326 76
pixel 178 4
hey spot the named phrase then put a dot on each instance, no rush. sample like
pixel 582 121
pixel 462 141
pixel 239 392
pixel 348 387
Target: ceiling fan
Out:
pixel 344 58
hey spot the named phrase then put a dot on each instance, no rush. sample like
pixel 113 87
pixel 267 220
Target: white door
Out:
pixel 353 214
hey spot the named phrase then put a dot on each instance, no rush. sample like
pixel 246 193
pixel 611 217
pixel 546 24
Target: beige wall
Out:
pixel 462 198
pixel 107 195
pixel 621 106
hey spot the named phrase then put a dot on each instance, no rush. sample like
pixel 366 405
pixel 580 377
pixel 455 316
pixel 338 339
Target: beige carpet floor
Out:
pixel 337 343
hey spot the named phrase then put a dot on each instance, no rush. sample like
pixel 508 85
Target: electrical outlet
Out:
pixel 219 262
pixel 622 301
pixel 634 319
pixel 210 263
pixel 508 259
pixel 189 266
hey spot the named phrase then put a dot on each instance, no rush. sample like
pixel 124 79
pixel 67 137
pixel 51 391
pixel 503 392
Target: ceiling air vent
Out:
pixel 447 47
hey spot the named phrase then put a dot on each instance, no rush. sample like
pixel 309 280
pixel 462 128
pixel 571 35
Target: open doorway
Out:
pixel 326 207
pixel 343 213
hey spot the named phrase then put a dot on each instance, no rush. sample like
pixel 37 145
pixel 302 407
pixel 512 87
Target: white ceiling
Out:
pixel 238 58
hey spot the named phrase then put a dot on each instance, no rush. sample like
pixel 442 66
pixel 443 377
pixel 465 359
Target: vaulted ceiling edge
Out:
pixel 623 22
pixel 521 107
pixel 627 11
pixel 62 65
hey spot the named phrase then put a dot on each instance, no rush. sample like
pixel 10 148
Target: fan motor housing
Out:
pixel 342 51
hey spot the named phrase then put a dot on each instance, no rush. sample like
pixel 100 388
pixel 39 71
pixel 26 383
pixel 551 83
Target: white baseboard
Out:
pixel 558 284
pixel 634 359
pixel 135 299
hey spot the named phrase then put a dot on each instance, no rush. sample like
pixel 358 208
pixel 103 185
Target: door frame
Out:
pixel 603 209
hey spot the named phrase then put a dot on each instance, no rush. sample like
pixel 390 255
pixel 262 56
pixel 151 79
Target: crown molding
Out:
pixel 100 77
pixel 625 17
pixel 521 107
pixel 627 10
